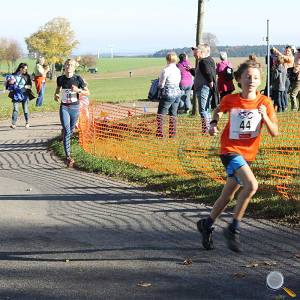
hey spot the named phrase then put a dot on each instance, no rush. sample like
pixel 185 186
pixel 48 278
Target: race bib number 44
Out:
pixel 244 123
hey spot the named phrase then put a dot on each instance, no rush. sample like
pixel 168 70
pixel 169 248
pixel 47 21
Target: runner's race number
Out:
pixel 67 96
pixel 244 123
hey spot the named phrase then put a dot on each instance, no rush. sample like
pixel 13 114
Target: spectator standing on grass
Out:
pixel 169 80
pixel 21 94
pixel 68 91
pixel 240 140
pixel 40 72
pixel 225 75
pixel 295 83
pixel 279 74
pixel 205 83
pixel 272 63
pixel 186 82
pixel 288 58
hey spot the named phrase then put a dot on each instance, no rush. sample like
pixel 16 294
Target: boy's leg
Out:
pixel 230 188
pixel 249 188
pixel 205 225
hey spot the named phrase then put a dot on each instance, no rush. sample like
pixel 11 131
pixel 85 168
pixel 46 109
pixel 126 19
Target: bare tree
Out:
pixel 87 61
pixel 10 52
pixel 14 52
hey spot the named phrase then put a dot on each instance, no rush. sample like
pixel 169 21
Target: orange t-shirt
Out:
pixel 242 133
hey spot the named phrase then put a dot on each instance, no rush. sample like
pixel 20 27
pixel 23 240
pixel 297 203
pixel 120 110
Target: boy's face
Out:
pixel 250 80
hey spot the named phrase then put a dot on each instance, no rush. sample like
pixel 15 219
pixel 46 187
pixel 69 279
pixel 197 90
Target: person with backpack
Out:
pixel 70 87
pixel 225 75
pixel 19 86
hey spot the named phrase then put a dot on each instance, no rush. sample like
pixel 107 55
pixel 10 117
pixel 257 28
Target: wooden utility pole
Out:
pixel 268 60
pixel 200 18
pixel 199 34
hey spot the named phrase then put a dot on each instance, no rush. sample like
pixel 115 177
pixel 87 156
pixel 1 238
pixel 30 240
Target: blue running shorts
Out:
pixel 233 162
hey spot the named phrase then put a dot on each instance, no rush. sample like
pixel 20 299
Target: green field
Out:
pixel 111 84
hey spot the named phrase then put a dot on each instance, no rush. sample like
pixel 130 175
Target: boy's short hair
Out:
pixel 250 63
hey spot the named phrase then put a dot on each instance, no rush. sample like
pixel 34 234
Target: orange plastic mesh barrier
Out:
pixel 130 134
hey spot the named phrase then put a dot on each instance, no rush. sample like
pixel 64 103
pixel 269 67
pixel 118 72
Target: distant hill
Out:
pixel 232 51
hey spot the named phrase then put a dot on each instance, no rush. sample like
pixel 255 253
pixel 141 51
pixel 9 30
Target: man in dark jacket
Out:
pixel 205 85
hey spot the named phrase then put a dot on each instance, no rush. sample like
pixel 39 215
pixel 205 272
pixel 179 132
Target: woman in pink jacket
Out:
pixel 225 80
pixel 186 82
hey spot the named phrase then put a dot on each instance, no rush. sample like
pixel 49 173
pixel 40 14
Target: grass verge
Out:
pixel 199 189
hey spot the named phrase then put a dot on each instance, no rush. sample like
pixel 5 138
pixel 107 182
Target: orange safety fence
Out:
pixel 130 134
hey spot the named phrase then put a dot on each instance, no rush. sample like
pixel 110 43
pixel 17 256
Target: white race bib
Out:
pixel 67 96
pixel 244 123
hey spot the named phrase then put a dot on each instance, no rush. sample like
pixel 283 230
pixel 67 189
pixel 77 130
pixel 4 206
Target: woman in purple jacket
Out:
pixel 186 82
pixel 225 84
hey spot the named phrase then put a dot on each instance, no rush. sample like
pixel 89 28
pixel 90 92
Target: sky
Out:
pixel 141 26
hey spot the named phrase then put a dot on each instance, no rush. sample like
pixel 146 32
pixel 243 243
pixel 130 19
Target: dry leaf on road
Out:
pixel 270 263
pixel 239 275
pixel 187 262
pixel 251 265
pixel 144 284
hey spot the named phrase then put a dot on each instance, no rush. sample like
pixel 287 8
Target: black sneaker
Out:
pixel 232 238
pixel 206 232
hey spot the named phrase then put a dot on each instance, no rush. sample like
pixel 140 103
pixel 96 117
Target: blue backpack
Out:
pixel 153 91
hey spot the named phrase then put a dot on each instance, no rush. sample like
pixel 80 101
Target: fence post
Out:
pixel 94 132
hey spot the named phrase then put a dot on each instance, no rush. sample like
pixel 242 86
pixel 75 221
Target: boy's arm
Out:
pixel 272 126
pixel 217 115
